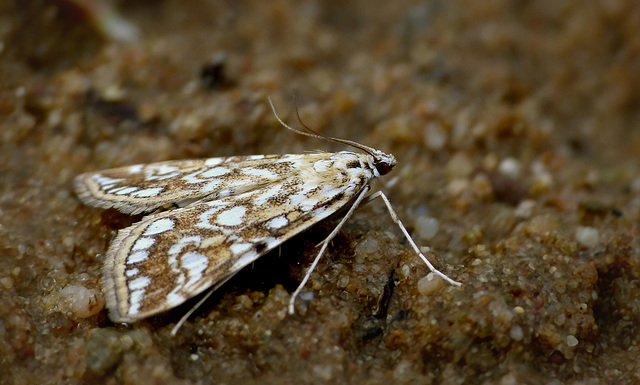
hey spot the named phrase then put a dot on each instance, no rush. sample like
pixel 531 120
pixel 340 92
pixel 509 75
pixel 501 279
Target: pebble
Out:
pixel 427 227
pixel 587 236
pixel 510 167
pixel 430 284
pixel 80 301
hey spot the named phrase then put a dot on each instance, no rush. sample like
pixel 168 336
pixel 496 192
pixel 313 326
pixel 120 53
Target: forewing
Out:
pixel 171 256
pixel 145 188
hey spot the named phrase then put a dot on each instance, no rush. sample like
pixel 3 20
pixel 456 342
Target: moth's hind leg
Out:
pixel 396 219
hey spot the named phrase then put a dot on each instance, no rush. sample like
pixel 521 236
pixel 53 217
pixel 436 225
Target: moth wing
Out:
pixel 147 187
pixel 169 257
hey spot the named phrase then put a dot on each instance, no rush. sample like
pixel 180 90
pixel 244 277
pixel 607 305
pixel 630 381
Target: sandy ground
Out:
pixel 515 125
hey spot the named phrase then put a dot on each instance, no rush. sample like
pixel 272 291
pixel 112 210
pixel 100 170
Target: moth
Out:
pixel 206 219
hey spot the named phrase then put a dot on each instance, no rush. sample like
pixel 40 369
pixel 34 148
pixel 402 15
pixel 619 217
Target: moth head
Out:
pixel 382 162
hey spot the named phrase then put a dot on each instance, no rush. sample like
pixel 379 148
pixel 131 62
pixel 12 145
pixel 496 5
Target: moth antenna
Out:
pixel 369 150
pixel 285 125
pixel 295 104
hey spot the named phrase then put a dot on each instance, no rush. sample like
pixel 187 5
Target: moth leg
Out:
pixel 324 244
pixel 396 219
pixel 195 307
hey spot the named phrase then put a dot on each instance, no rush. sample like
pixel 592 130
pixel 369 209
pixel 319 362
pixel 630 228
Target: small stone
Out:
pixel 456 187
pixel 80 301
pixel 516 333
pixel 459 166
pixel 525 208
pixel 368 246
pixel 343 281
pixel 587 236
pixel 560 319
pixel 542 224
pixel 403 272
pixel 572 341
pixel 427 227
pixel 430 284
pixel 244 302
pixel 542 179
pixel 6 282
pixel 113 93
pixel 510 167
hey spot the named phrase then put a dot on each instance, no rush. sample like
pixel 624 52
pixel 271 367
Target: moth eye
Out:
pixel 383 168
